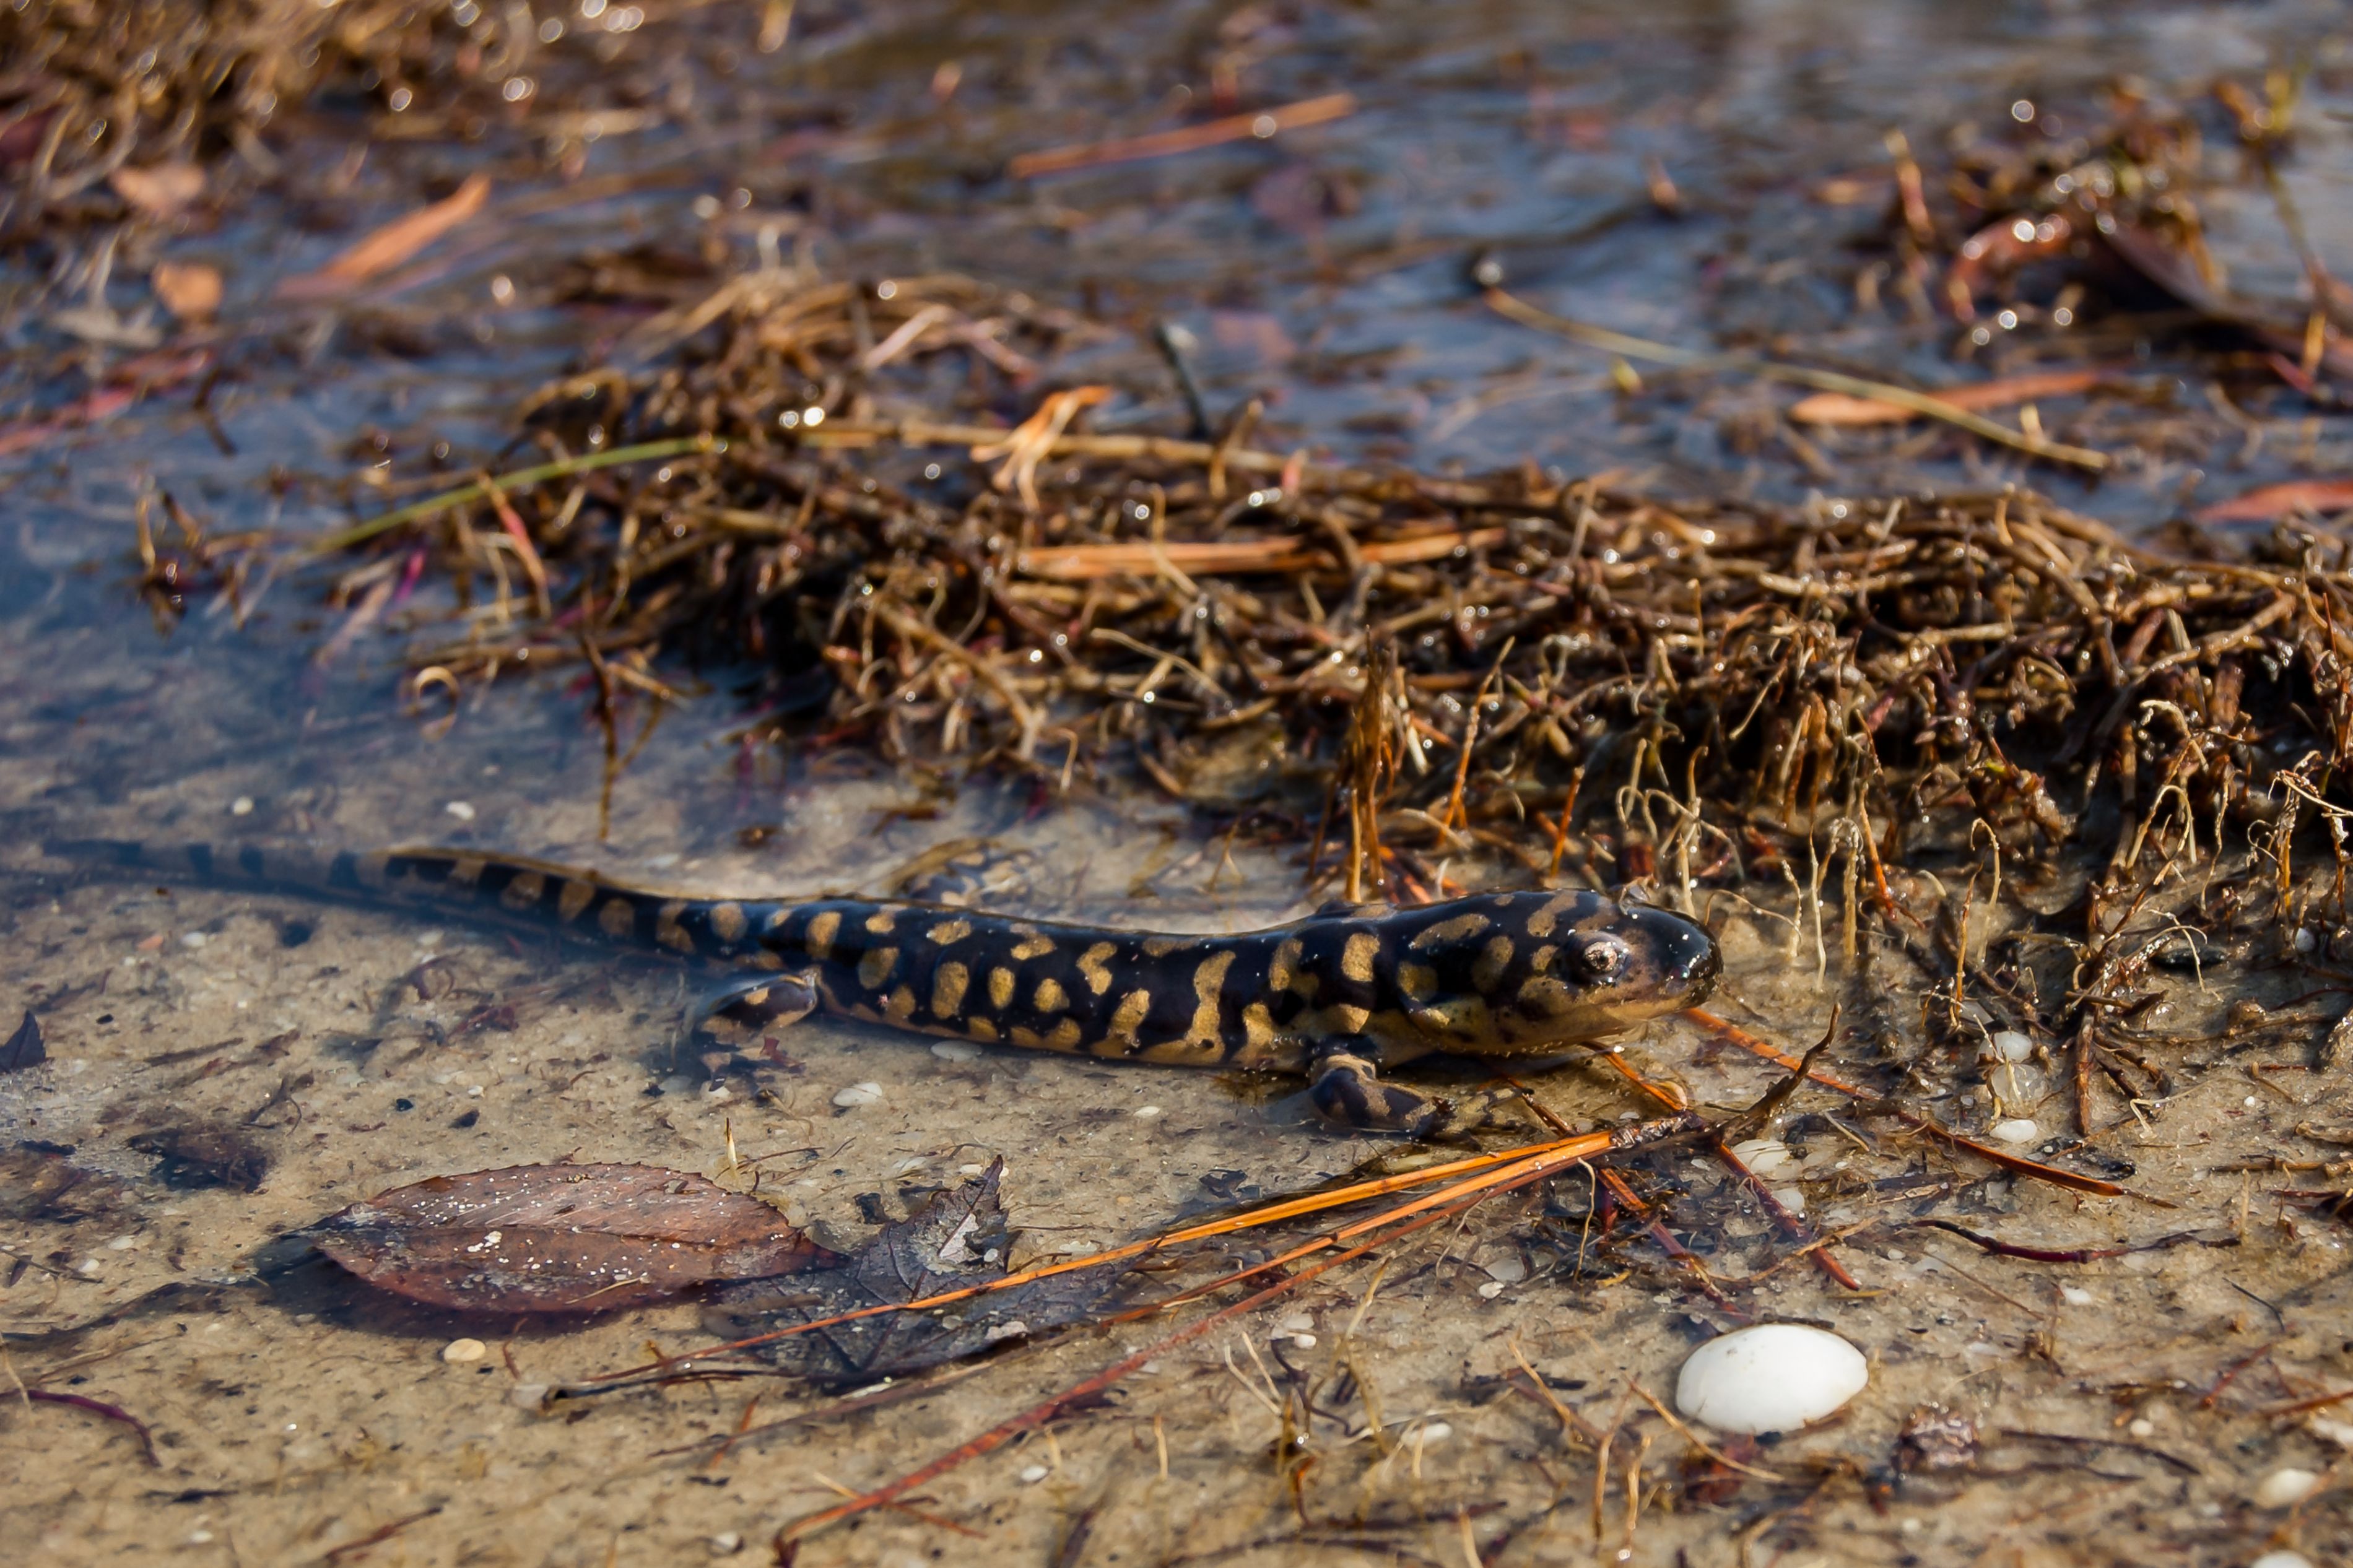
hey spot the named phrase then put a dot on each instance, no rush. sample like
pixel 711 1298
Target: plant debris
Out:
pixel 24 1047
pixel 560 1239
pixel 958 1240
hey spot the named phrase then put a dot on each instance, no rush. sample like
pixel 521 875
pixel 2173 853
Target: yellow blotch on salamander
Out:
pixel 668 931
pixel 1000 989
pixel 1207 980
pixel 1093 965
pixel 1419 981
pixel 947 934
pixel 1541 923
pixel 1162 946
pixel 1356 957
pixel 876 966
pixel 1487 970
pixel 575 898
pixel 1546 995
pixel 466 870
pixel 1030 947
pixel 1283 970
pixel 1129 1018
pixel 819 938
pixel 1051 997
pixel 880 922
pixel 949 981
pixel 523 892
pixel 981 1029
pixel 617 918
pixel 900 1005
pixel 727 922
pixel 1454 930
pixel 1065 1036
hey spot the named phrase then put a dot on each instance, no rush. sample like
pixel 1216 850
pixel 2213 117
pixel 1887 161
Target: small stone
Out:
pixel 528 1395
pixel 956 1051
pixel 2012 1047
pixel 726 1543
pixel 1774 1377
pixel 2283 1558
pixel 2017 1129
pixel 2285 1486
pixel 195 939
pixel 1491 1289
pixel 459 1351
pixel 1768 1157
pixel 462 810
pixel 858 1094
pixel 2142 1427
pixel 2076 1296
pixel 1437 1432
pixel 1146 1112
pixel 241 806
pixel 1790 1198
pixel 1510 1268
pixel 970 1170
pixel 1032 1474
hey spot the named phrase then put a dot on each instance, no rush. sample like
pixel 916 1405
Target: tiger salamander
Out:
pixel 1336 996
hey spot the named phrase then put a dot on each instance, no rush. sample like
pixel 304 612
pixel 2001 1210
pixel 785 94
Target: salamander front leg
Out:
pixel 1347 1092
pixel 763 998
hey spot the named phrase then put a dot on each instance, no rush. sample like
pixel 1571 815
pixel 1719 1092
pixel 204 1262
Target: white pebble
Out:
pixel 2285 1486
pixel 2017 1129
pixel 2142 1427
pixel 726 1543
pixel 1491 1289
pixel 462 1350
pixel 2305 939
pixel 1768 1157
pixel 2281 1559
pixel 858 1094
pixel 1790 1198
pixel 1509 1269
pixel 1032 1474
pixel 462 810
pixel 195 939
pixel 1437 1432
pixel 241 806
pixel 956 1051
pixel 1775 1377
pixel 2012 1047
pixel 1146 1112
pixel 2075 1296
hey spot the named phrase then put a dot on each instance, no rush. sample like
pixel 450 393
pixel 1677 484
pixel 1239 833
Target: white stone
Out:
pixel 2075 1296
pixel 956 1051
pixel 2281 1559
pixel 726 1543
pixel 2142 1427
pixel 459 1351
pixel 1768 1157
pixel 2285 1486
pixel 462 810
pixel 1032 1474
pixel 1790 1198
pixel 241 806
pixel 1774 1377
pixel 2017 1129
pixel 1146 1112
pixel 2012 1047
pixel 1437 1432
pixel 858 1094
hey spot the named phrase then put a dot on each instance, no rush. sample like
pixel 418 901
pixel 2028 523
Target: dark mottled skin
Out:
pixel 1338 996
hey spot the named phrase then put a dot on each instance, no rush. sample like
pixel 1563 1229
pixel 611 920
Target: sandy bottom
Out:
pixel 2128 1406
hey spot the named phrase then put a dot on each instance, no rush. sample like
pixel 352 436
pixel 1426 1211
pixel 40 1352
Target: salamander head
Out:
pixel 1522 973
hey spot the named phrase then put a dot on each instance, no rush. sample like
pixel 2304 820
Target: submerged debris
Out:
pixel 560 1239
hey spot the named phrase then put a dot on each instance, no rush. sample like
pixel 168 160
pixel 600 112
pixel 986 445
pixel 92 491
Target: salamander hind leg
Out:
pixel 1347 1090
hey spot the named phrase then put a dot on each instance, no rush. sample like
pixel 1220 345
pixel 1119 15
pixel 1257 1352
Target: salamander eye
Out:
pixel 1600 957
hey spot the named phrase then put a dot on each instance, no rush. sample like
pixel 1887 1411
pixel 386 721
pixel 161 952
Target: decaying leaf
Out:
pixel 23 1048
pixel 159 190
pixel 561 1239
pixel 189 290
pixel 954 1241
pixel 196 1155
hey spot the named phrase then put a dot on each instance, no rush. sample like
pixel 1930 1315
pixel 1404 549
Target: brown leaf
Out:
pixel 393 244
pixel 560 1239
pixel 2277 500
pixel 159 190
pixel 189 290
pixel 1838 408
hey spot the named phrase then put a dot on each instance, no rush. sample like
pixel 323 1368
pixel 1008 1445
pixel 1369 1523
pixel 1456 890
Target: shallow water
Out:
pixel 1325 269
